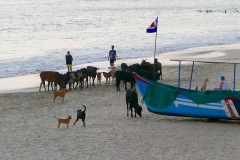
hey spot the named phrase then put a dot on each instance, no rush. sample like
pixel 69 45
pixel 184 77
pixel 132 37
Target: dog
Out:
pixel 65 121
pixel 60 94
pixel 81 115
pixel 203 86
pixel 99 77
pixel 107 75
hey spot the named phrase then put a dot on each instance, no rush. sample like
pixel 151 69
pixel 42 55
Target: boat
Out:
pixel 171 100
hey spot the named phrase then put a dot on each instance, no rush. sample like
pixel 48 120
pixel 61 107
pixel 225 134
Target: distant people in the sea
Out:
pixel 223 85
pixel 223 11
pixel 69 60
pixel 112 56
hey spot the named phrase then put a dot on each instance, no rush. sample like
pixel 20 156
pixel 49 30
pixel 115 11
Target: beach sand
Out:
pixel 29 131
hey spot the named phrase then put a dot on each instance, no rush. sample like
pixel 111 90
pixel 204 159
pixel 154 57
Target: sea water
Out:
pixel 36 34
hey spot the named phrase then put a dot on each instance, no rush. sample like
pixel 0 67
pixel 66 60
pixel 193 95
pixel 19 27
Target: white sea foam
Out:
pixel 35 35
pixel 32 81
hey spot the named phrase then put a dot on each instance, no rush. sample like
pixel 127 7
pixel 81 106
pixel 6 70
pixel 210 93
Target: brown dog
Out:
pixel 99 77
pixel 65 121
pixel 204 85
pixel 107 75
pixel 60 94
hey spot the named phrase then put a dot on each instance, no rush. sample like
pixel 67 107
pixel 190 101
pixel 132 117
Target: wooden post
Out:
pixel 155 69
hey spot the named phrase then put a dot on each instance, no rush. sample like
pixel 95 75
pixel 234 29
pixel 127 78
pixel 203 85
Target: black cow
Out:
pixel 124 66
pixel 147 74
pixel 152 68
pixel 74 78
pixel 84 73
pixel 125 76
pixel 147 70
pixel 63 80
pixel 92 73
pixel 78 78
pixel 159 70
pixel 134 67
pixel 132 101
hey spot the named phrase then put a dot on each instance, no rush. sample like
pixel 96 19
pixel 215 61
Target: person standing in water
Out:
pixel 69 60
pixel 112 56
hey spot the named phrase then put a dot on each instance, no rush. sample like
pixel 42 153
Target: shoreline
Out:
pixel 30 83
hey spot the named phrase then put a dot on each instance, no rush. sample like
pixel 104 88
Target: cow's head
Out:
pixel 138 110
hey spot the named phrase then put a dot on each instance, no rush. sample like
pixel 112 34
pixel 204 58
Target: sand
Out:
pixel 29 131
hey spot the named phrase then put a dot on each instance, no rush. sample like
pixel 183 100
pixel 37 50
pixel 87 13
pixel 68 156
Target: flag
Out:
pixel 153 27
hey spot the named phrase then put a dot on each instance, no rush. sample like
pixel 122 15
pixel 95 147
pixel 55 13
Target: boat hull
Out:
pixel 183 106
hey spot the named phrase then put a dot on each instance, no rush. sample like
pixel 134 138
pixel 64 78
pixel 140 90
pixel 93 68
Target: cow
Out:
pixel 157 68
pixel 50 77
pixel 74 78
pixel 144 62
pixel 92 73
pixel 124 66
pixel 134 67
pixel 132 102
pixel 64 79
pixel 146 74
pixel 78 78
pixel 84 73
pixel 125 76
pixel 145 71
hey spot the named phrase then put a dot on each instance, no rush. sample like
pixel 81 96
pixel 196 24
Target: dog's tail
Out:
pixel 84 108
pixel 54 117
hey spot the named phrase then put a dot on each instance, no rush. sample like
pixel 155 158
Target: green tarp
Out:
pixel 210 96
pixel 160 95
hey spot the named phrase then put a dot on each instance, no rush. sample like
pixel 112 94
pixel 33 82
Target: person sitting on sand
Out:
pixel 223 85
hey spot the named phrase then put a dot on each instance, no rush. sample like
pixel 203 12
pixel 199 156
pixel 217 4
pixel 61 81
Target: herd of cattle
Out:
pixel 86 76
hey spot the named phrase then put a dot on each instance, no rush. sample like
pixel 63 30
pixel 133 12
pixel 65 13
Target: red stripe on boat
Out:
pixel 229 108
pixel 137 77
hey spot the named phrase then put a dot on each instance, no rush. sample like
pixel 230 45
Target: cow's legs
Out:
pixel 127 110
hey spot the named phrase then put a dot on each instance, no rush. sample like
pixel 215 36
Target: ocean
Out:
pixel 35 35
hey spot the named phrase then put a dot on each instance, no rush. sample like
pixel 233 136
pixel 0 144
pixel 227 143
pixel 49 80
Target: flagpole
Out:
pixel 152 29
pixel 155 46
pixel 154 62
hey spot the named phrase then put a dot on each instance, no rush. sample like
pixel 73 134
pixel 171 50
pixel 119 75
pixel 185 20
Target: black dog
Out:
pixel 81 115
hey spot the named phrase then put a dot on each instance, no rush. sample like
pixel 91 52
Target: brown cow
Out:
pixel 49 76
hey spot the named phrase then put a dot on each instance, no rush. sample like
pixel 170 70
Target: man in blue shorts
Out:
pixel 112 56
